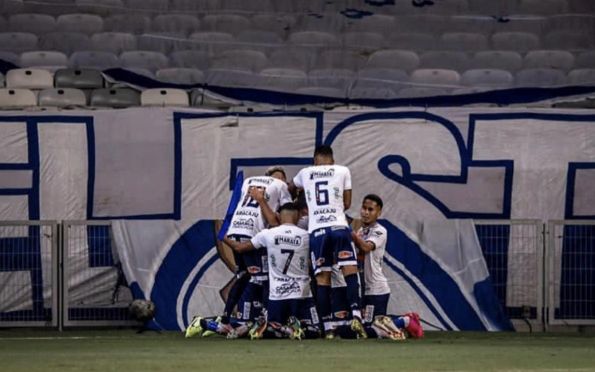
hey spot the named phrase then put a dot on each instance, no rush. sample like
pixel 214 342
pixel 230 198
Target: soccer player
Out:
pixel 290 298
pixel 260 197
pixel 327 188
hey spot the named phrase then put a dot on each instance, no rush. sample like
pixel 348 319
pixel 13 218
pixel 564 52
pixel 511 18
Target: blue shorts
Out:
pixel 375 305
pixel 329 245
pixel 279 311
pixel 250 304
pixel 340 305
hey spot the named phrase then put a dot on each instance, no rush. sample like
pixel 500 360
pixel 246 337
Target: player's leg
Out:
pixel 322 260
pixel 309 319
pixel 239 286
pixel 375 306
pixel 277 314
pixel 410 322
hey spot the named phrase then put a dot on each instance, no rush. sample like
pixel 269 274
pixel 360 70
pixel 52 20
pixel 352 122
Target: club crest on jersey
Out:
pixel 345 254
pixel 322 174
pixel 341 314
pixel 254 269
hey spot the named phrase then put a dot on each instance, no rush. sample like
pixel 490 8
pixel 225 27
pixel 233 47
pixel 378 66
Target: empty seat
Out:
pixel 516 41
pixel 115 42
pixel 463 41
pixel 412 41
pixel 34 23
pixel 557 59
pixel 30 78
pixel 180 23
pixel 487 78
pixel 62 97
pixel 313 38
pixel 211 42
pixel 85 23
pixel 546 7
pixel 116 98
pixel 504 60
pixel 190 59
pixel 444 60
pixel 585 60
pixel 147 5
pixel 230 23
pixel 43 58
pixel 164 97
pixel 143 59
pixel 178 75
pixel 163 42
pixel 295 58
pixel 17 98
pixel 435 77
pixel 329 22
pixel 249 60
pixel 395 59
pixel 103 8
pixel 340 58
pixel 540 77
pixel 283 79
pixel 568 40
pixel 261 40
pixel 583 76
pixel 78 78
pixel 66 42
pixel 132 23
pixel 94 59
pixel 17 42
pixel 332 77
pixel 365 41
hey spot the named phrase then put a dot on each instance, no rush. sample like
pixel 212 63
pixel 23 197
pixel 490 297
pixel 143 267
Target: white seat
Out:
pixel 557 59
pixel 487 78
pixel 43 58
pixel 11 57
pixel 340 58
pixel 34 23
pixel 545 7
pixel 458 61
pixel 163 42
pixel 147 5
pixel 17 42
pixel 190 59
pixel 395 59
pixel 278 23
pixel 84 23
pixel 65 42
pixel 435 77
pixel 412 41
pixel 419 92
pixel 115 97
pixel 568 40
pixel 230 23
pixel 331 77
pixel 292 57
pixel 102 8
pixel 61 97
pixel 94 59
pixel 17 98
pixel 381 78
pixel 585 60
pixel 366 41
pixel 212 42
pixel 132 23
pixel 515 41
pixel 30 78
pixel 249 60
pixel 78 78
pixel 180 23
pixel 313 38
pixel 115 42
pixel 379 23
pixel 497 59
pixel 540 77
pixel 463 41
pixel 322 92
pixel 143 59
pixel 180 75
pixel 583 76
pixel 283 79
pixel 263 41
pixel 164 97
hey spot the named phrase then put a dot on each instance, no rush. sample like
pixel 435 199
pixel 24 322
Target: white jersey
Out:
pixel 324 186
pixel 288 250
pixel 375 281
pixel 247 218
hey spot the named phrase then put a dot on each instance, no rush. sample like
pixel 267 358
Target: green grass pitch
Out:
pixel 124 350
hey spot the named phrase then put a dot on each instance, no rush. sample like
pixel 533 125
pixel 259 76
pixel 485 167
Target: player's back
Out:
pixel 324 186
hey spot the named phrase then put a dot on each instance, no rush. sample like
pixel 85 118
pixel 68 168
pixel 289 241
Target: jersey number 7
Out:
pixel 290 253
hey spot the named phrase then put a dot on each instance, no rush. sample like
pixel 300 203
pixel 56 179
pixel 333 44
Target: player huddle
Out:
pixel 276 259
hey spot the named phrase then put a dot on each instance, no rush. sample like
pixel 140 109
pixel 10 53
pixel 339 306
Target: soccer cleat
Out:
pixel 414 328
pixel 257 331
pixel 329 335
pixel 386 324
pixel 194 328
pixel 208 332
pixel 296 328
pixel 358 327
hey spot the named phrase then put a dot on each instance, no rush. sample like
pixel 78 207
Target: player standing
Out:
pixel 327 187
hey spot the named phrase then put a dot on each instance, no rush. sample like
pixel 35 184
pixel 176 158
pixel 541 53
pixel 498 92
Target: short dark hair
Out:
pixel 275 169
pixel 323 150
pixel 288 207
pixel 375 198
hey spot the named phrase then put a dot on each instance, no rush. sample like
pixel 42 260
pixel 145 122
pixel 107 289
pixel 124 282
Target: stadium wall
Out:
pixel 164 176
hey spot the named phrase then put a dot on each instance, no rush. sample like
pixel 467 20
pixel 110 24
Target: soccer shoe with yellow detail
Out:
pixel 296 329
pixel 208 332
pixel 414 328
pixel 386 324
pixel 330 334
pixel 194 328
pixel 358 327
pixel 257 331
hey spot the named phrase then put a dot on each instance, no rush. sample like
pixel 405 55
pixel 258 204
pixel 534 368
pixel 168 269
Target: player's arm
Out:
pixel 258 194
pixel 347 199
pixel 237 246
pixel 363 245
